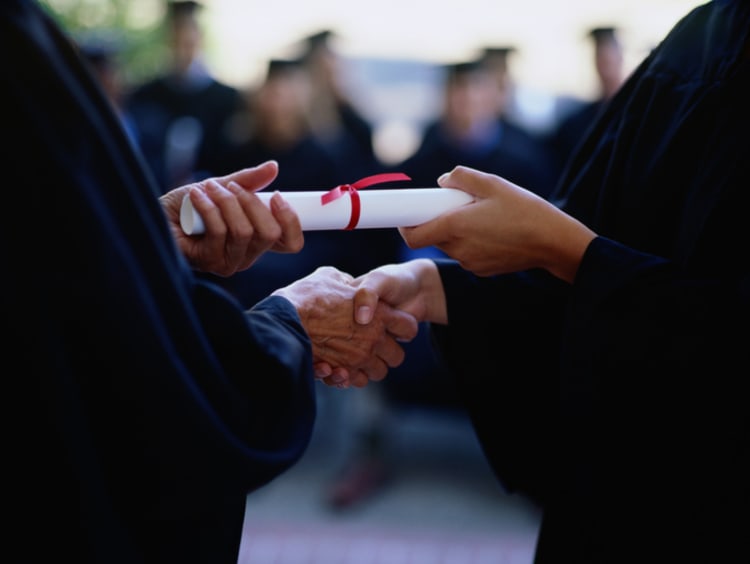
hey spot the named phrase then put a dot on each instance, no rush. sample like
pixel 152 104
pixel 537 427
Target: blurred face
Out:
pixel 185 42
pixel 608 59
pixel 281 103
pixel 324 66
pixel 470 99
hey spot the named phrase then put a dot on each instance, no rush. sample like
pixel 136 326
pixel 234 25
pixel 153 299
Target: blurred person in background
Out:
pixel 336 121
pixel 185 115
pixel 102 55
pixel 472 130
pixel 608 58
pixel 277 126
pixel 496 60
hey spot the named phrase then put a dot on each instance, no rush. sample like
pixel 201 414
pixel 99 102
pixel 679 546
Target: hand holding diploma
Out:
pixel 347 207
pixel 509 229
pixel 238 226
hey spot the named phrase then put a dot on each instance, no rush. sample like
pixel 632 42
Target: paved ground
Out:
pixel 442 505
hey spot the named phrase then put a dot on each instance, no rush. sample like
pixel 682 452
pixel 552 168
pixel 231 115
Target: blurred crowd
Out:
pixel 190 125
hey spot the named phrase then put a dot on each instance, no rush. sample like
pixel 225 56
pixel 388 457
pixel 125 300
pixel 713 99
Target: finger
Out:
pixel 292 239
pixel 430 233
pixel 331 384
pixel 264 230
pixel 322 370
pixel 243 235
pixel 253 178
pixel 228 213
pixel 390 352
pixel 401 325
pixel 389 284
pixel 204 204
pixel 339 378
pixel 210 244
pixel 467 179
pixel 374 367
pixel 365 302
pixel 360 378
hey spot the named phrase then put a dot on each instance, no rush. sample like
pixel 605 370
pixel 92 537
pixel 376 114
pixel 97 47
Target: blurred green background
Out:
pixel 132 27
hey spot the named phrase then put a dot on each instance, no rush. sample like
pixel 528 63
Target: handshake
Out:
pixel 357 325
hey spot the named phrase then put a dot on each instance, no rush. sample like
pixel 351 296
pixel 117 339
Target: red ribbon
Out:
pixel 340 190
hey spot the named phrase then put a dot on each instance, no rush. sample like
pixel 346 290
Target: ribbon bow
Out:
pixel 340 190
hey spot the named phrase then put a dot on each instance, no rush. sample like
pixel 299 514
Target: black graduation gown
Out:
pixel 140 405
pixel 622 400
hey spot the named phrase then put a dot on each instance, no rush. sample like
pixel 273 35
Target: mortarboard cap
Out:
pixel 319 38
pixel 278 67
pixel 603 34
pixel 318 42
pixel 180 8
pixel 462 69
pixel 496 57
pixel 497 52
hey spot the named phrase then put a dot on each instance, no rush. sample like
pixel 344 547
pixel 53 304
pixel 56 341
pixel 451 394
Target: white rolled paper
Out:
pixel 403 207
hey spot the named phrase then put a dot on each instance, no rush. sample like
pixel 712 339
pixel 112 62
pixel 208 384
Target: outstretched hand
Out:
pixel 239 227
pixel 414 287
pixel 505 229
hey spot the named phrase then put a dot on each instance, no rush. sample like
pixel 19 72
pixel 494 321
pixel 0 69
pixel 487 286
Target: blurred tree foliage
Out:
pixel 132 28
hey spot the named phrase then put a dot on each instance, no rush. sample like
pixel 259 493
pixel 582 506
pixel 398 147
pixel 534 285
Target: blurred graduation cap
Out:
pixel 459 70
pixel 279 67
pixel 320 38
pixel 318 42
pixel 603 34
pixel 497 53
pixel 496 57
pixel 183 8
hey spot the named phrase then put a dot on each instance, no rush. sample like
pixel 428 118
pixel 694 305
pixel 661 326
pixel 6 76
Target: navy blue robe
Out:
pixel 141 405
pixel 620 403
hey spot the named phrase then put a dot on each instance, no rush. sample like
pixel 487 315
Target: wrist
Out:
pixel 431 291
pixel 567 247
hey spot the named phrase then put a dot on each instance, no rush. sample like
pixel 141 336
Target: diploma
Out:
pixel 402 207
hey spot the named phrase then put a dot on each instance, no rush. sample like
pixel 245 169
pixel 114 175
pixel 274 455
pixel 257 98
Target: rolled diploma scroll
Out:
pixel 403 207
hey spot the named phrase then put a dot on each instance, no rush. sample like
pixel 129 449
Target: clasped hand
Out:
pixel 346 352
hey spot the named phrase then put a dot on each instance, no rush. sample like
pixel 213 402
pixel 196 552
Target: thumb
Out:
pixel 376 285
pixel 365 303
pixel 468 180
